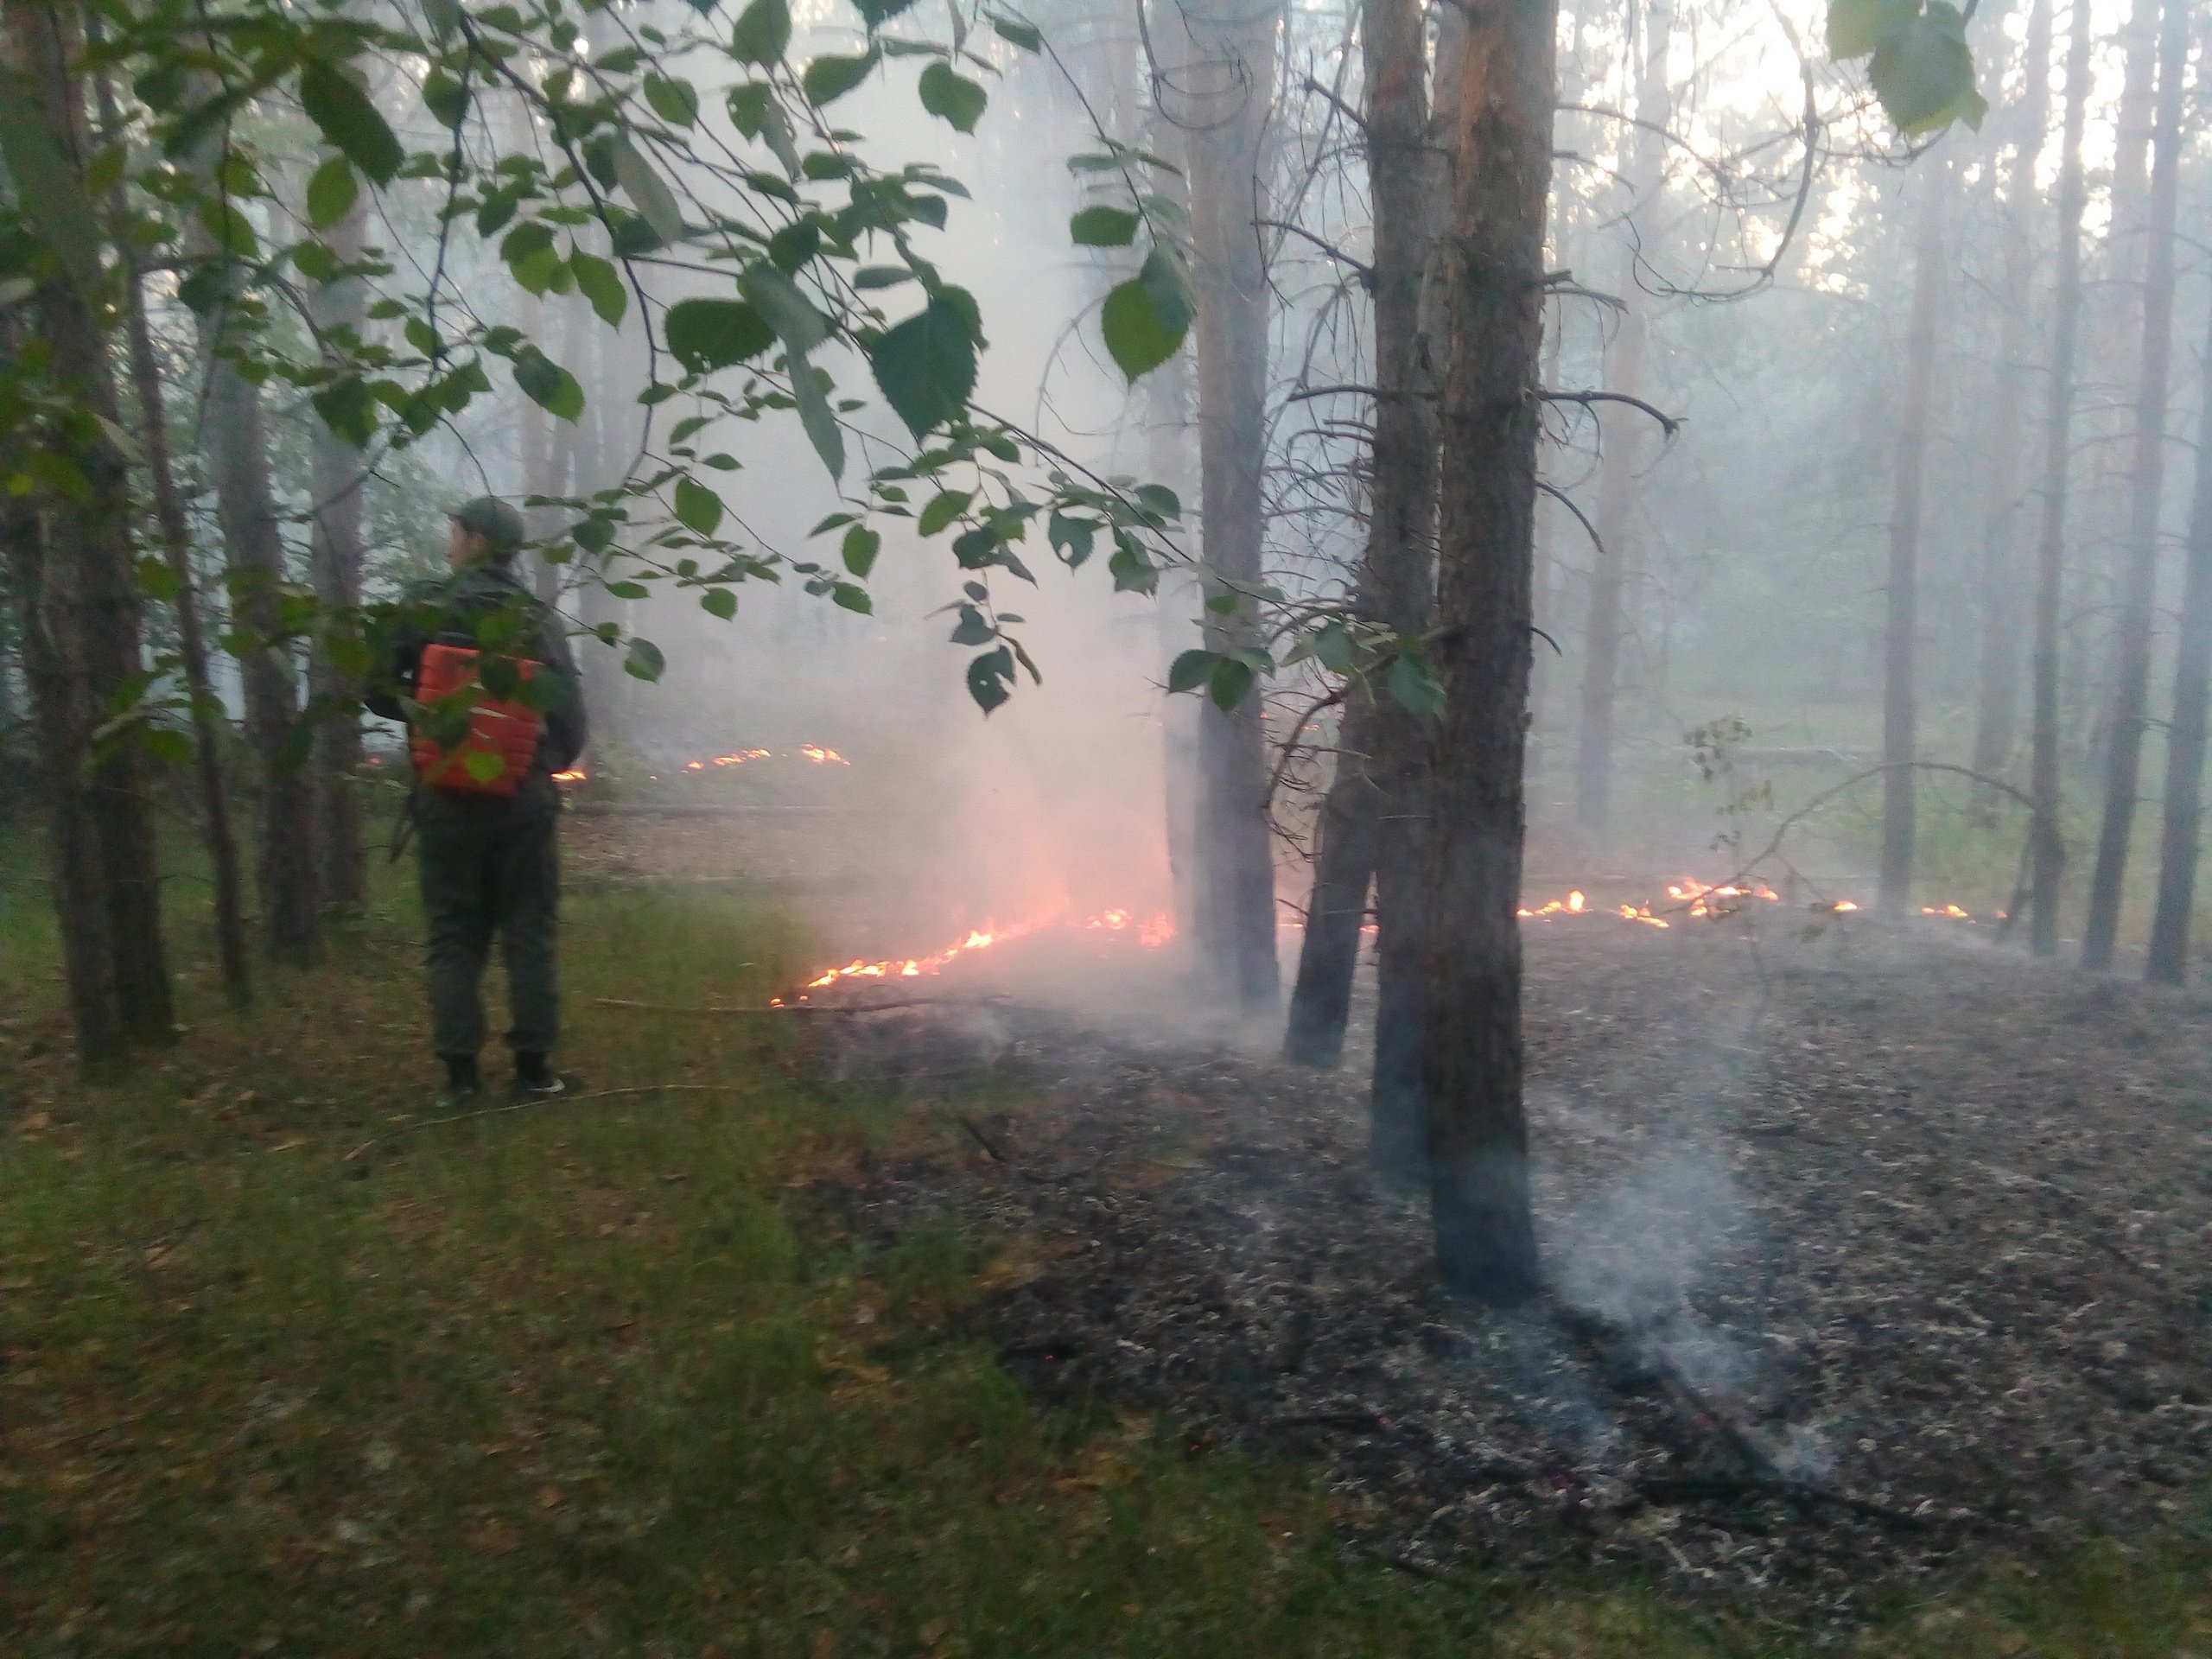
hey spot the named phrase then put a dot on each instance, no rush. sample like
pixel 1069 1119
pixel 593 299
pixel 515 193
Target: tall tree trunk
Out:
pixel 208 720
pixel 1395 572
pixel 1231 84
pixel 1996 689
pixel 339 307
pixel 233 439
pixel 2185 736
pixel 2047 850
pixel 1624 444
pixel 85 599
pixel 2146 486
pixel 1477 1130
pixel 1901 633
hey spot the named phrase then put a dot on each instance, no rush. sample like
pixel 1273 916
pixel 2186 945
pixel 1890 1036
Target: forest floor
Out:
pixel 1042 1321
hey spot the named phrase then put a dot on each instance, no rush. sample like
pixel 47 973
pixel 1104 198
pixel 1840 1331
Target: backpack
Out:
pixel 506 731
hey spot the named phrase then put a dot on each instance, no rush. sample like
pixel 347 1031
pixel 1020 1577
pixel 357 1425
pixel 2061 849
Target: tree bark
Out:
pixel 1231 85
pixel 2047 853
pixel 233 439
pixel 1477 1131
pixel 2146 489
pixel 1624 445
pixel 1378 739
pixel 1901 633
pixel 87 603
pixel 1998 683
pixel 2185 736
pixel 340 308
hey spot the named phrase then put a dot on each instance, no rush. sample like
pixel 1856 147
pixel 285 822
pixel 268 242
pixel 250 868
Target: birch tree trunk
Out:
pixel 1901 633
pixel 1232 85
pixel 1501 144
pixel 2047 856
pixel 1624 438
pixel 2147 492
pixel 337 308
pixel 233 439
pixel 2185 736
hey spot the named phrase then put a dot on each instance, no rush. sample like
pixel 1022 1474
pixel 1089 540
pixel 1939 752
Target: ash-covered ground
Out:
pixel 1871 1255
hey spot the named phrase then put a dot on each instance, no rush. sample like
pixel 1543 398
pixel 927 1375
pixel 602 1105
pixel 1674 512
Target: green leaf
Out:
pixel 989 677
pixel 1191 671
pixel 719 601
pixel 876 13
pixel 1856 27
pixel 644 661
pixel 1103 227
pixel 697 507
pixel 445 97
pixel 157 580
pixel 1923 72
pixel 869 276
pixel 1416 687
pixel 547 384
pixel 948 506
pixel 852 598
pixel 1231 681
pixel 1022 35
pixel 763 31
pixel 926 365
pixel 165 744
pixel 444 17
pixel 1145 318
pixel 1070 538
pixel 861 547
pixel 1158 498
pixel 1334 646
pixel 645 185
pixel 676 102
pixel 601 283
pixel 332 191
pixel 817 417
pixel 952 97
pixel 776 297
pixel 334 101
pixel 827 79
pixel 748 103
pixel 973 628
pixel 710 334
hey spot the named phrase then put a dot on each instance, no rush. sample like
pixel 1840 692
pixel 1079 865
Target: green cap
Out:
pixel 499 524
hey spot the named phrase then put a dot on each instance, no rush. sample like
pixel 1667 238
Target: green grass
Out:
pixel 611 1377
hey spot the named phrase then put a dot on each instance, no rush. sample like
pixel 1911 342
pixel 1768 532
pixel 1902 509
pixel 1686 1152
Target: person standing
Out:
pixel 480 670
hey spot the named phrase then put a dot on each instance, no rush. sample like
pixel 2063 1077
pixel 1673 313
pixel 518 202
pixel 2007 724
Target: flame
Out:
pixel 735 758
pixel 1842 906
pixel 573 775
pixel 1952 911
pixel 819 755
pixel 1151 934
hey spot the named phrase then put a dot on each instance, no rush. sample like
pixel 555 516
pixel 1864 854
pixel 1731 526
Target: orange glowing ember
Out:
pixel 735 758
pixel 1952 911
pixel 1150 934
pixel 573 775
pixel 819 755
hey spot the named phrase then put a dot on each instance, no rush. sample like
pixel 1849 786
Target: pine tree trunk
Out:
pixel 1624 439
pixel 85 607
pixel 233 440
pixel 1996 690
pixel 1478 1129
pixel 2185 736
pixel 1232 85
pixel 1378 741
pixel 2048 853
pixel 1901 633
pixel 2146 485
pixel 334 554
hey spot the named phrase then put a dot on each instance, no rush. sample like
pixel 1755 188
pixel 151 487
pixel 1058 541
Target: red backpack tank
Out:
pixel 506 731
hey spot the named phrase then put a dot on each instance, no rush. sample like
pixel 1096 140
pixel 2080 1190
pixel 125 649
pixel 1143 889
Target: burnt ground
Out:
pixel 1871 1256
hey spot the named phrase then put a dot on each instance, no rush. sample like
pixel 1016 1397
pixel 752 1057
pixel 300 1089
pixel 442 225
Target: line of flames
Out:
pixel 813 752
pixel 1151 932
pixel 1697 898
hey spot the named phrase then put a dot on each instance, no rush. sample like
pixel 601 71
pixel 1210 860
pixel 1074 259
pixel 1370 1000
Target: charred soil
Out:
pixel 1872 1257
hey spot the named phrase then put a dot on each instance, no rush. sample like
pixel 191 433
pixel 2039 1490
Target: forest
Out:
pixel 1314 826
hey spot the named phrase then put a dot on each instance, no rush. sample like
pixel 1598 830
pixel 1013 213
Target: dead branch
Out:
pixel 1671 424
